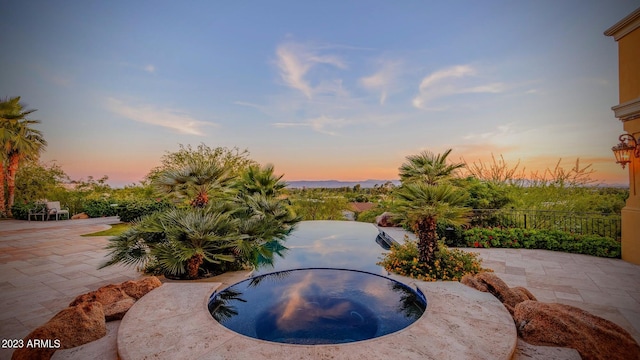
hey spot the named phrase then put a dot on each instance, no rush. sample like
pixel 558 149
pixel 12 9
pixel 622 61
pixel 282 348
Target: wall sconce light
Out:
pixel 626 149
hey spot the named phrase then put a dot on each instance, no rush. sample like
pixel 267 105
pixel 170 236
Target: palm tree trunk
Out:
pixel 427 240
pixel 3 206
pixel 193 265
pixel 201 200
pixel 12 169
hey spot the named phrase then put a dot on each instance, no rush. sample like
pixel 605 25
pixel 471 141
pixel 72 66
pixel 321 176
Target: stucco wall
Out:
pixel 629 66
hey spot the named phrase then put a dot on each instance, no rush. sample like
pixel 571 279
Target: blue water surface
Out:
pixel 327 289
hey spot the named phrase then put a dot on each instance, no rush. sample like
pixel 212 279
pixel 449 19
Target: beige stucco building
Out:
pixel 627 33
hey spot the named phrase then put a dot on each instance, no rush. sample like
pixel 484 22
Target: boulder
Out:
pixel 490 282
pixel 80 216
pixel 138 288
pixel 470 281
pixel 71 327
pixel 385 220
pixel 117 299
pixel 568 326
pixel 116 310
pixel 105 295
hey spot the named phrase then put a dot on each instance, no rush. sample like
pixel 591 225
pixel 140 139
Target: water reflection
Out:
pixel 220 305
pixel 335 244
pixel 317 306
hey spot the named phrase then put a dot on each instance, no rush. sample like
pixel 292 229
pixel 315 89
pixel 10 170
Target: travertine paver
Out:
pixel 609 288
pixel 460 323
pixel 44 266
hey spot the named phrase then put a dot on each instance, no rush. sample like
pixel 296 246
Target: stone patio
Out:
pixel 45 265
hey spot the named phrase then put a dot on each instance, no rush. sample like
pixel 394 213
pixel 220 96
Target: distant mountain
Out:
pixel 331 184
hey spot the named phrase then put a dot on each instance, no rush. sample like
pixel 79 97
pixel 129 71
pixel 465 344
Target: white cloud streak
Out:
pixel 447 82
pixel 381 81
pixel 501 130
pixel 321 124
pixel 295 61
pixel 173 119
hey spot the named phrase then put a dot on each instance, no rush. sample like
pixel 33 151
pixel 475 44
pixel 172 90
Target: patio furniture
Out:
pixel 39 210
pixel 53 208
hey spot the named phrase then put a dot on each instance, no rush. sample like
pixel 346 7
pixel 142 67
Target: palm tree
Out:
pixel 179 240
pixel 266 222
pixel 428 167
pixel 260 180
pixel 420 206
pixel 19 142
pixel 195 181
pixel 227 222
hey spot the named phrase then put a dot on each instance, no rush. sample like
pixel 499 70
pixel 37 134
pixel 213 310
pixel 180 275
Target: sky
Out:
pixel 340 90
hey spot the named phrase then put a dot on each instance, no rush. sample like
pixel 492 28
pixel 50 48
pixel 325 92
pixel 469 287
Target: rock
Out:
pixel 116 310
pixel 138 288
pixel 509 297
pixel 568 326
pixel 73 326
pixel 385 220
pixel 523 293
pixel 117 299
pixel 470 280
pixel 526 351
pixel 80 216
pixel 105 295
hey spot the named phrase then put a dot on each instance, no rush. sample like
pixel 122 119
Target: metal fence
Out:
pixel 586 223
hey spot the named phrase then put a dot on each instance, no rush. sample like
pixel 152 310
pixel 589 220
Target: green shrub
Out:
pixel 451 235
pixel 369 216
pixel 130 210
pixel 450 264
pixel 99 208
pixel 556 240
pixel 21 211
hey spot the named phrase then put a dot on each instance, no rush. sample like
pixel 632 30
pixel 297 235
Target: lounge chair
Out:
pixel 53 208
pixel 39 210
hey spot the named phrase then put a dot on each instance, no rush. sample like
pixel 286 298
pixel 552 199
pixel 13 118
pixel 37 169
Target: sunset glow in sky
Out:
pixel 323 90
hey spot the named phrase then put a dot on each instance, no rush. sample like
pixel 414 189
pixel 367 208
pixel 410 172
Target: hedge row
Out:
pixel 557 240
pixel 127 210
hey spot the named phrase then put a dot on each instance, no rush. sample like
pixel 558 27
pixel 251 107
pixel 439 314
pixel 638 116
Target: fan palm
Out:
pixel 428 167
pixel 196 181
pixel 19 141
pixel 266 222
pixel 260 180
pixel 420 206
pixel 179 240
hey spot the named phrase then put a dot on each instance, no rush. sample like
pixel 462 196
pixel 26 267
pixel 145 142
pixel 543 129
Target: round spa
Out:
pixel 317 306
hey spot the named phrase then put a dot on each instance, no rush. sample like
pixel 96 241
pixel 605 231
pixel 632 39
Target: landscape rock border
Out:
pixel 85 319
pixel 560 325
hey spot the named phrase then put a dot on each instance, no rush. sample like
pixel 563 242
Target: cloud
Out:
pixel 319 124
pixel 447 82
pixel 295 61
pixel 150 68
pixel 173 119
pixel 499 131
pixel 248 104
pixel 382 80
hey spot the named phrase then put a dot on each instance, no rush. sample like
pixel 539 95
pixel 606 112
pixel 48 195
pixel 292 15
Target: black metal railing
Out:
pixel 585 223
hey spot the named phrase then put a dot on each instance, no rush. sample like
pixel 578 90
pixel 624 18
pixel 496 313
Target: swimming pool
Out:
pixel 331 244
pixel 327 289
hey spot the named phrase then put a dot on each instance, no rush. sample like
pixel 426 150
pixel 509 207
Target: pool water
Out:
pixel 327 289
pixel 317 306
pixel 334 244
